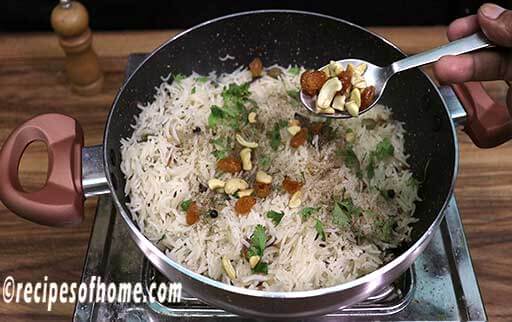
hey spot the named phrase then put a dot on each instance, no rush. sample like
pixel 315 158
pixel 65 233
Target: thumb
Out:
pixel 496 23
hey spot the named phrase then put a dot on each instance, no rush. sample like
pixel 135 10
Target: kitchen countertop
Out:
pixel 32 81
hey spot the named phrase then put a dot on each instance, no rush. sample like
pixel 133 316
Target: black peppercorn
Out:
pixel 391 193
pixel 197 130
pixel 213 213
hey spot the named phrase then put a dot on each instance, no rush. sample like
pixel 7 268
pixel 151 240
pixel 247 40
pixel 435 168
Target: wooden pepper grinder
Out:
pixel 70 21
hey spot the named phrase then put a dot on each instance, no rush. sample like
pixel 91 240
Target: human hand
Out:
pixel 493 64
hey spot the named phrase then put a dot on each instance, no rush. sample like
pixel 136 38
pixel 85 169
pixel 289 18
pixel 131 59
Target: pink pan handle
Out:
pixel 488 122
pixel 60 202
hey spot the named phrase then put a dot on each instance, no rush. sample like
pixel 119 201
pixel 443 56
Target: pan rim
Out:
pixel 365 279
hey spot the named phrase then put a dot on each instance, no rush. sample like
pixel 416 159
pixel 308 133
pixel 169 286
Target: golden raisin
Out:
pixel 346 85
pixel 291 186
pixel 229 164
pixel 312 81
pixel 244 205
pixel 299 138
pixel 262 189
pixel 192 213
pixel 316 127
pixel 256 67
pixel 367 96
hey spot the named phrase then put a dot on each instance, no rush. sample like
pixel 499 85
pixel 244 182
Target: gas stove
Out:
pixel 440 286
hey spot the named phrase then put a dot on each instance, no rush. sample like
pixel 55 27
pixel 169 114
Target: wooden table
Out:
pixel 32 82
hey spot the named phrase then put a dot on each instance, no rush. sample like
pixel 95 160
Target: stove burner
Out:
pixel 389 300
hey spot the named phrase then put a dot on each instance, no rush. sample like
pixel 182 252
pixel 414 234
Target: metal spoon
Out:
pixel 379 76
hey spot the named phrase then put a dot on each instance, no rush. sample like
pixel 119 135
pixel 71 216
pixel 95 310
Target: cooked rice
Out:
pixel 298 259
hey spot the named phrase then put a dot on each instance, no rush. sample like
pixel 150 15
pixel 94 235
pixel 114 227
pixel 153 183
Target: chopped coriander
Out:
pixel 384 149
pixel 202 79
pixel 264 161
pixel 295 70
pixel 275 216
pixel 344 211
pixel 185 204
pixel 339 217
pixel 294 94
pixel 320 229
pixel 193 91
pixel 232 112
pixel 216 115
pixel 351 161
pixel 385 230
pixel 179 77
pixel 305 213
pixel 258 240
pixel 275 134
pixel 222 147
pixel 261 267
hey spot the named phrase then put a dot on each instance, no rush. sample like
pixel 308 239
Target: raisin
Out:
pixel 299 138
pixel 312 81
pixel 367 96
pixel 346 81
pixel 291 186
pixel 256 67
pixel 192 213
pixel 244 205
pixel 316 127
pixel 229 164
pixel 262 189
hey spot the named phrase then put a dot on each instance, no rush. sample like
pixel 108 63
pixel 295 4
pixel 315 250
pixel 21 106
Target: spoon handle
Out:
pixel 464 45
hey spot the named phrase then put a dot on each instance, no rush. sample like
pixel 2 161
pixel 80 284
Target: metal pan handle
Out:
pixel 487 122
pixel 60 202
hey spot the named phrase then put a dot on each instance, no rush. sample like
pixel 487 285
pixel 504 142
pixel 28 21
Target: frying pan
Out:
pixel 280 37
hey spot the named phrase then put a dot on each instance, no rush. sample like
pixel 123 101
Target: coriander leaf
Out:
pixel 385 230
pixel 351 161
pixel 215 117
pixel 234 90
pixel 339 217
pixel 348 206
pixel 275 216
pixel 258 240
pixel 305 213
pixel 185 204
pixel 222 148
pixel 320 229
pixel 384 149
pixel 295 70
pixel 294 94
pixel 264 161
pixel 370 168
pixel 275 137
pixel 202 79
pixel 275 134
pixel 261 267
pixel 193 91
pixel 179 77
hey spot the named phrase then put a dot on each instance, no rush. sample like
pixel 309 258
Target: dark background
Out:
pixel 30 15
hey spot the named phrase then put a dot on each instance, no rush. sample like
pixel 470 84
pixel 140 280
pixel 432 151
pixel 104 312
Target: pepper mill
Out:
pixel 70 21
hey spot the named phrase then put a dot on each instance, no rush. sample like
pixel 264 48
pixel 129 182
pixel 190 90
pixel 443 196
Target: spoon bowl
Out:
pixel 374 75
pixel 379 76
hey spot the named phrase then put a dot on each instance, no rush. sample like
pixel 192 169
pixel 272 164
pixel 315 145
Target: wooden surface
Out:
pixel 32 82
